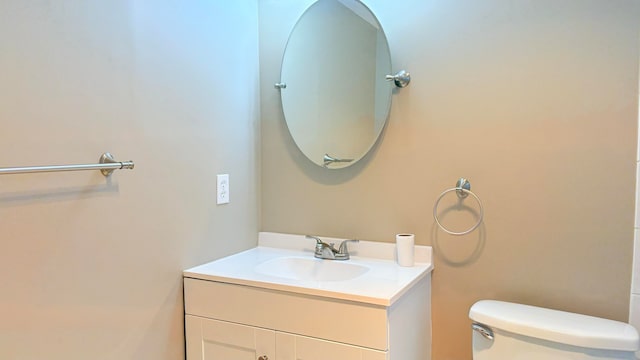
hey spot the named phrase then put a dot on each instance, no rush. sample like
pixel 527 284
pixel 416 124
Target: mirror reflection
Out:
pixel 336 100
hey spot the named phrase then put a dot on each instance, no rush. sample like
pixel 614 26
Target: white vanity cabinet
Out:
pixel 237 322
pixel 235 310
pixel 209 339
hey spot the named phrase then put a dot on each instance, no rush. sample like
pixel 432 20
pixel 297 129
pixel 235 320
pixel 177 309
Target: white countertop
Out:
pixel 382 284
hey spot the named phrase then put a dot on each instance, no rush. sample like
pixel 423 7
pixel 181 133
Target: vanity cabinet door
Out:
pixel 296 347
pixel 218 340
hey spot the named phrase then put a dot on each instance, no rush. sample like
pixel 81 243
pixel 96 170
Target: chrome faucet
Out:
pixel 328 251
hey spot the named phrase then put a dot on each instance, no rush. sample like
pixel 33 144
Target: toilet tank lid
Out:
pixel 557 326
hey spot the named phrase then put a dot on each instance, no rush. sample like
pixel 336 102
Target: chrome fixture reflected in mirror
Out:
pixel 329 160
pixel 335 84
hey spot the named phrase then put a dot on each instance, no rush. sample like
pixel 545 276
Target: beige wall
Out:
pixel 91 268
pixel 634 302
pixel 535 102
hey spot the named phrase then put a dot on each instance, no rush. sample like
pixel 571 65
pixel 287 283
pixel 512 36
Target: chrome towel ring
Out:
pixel 462 189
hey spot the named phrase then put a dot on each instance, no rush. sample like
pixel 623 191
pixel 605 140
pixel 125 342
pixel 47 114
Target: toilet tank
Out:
pixel 503 330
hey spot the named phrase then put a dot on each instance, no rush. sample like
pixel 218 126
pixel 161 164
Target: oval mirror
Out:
pixel 334 94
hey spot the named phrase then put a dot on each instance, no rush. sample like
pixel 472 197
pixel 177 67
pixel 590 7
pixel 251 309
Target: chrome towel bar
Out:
pixel 106 166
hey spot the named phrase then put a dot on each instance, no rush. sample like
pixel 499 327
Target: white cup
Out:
pixel 404 249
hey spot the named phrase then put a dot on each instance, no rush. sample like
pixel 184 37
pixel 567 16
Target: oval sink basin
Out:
pixel 302 268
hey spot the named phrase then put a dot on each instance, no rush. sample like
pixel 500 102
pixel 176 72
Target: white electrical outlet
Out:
pixel 222 189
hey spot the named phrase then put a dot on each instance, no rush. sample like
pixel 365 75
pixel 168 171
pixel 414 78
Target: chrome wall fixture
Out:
pixel 462 189
pixel 106 166
pixel 328 160
pixel 401 78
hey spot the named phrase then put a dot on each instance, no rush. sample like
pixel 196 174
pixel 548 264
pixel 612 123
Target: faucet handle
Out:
pixel 321 244
pixel 317 239
pixel 343 249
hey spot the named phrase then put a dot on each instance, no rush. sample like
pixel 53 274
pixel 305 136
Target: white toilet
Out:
pixel 508 331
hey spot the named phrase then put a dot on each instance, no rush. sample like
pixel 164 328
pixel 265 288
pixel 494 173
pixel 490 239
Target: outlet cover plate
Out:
pixel 222 189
